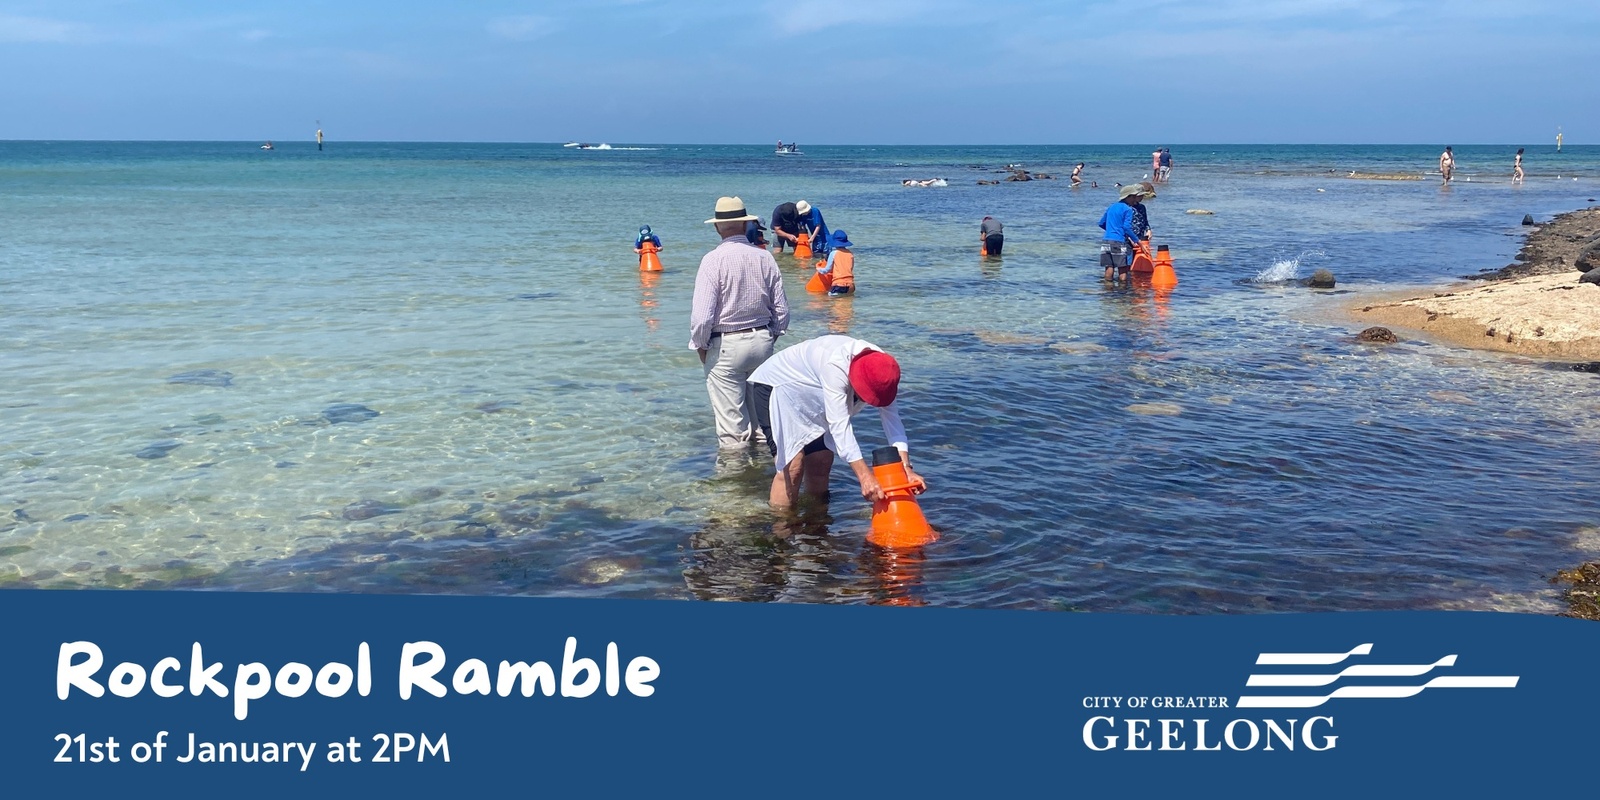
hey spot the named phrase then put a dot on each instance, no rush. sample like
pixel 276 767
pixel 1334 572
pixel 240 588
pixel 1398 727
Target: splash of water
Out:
pixel 1285 269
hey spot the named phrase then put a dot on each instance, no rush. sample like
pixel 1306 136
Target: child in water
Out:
pixel 841 265
pixel 646 236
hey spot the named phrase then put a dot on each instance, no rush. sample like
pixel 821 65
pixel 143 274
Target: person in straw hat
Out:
pixel 739 310
pixel 811 221
pixel 804 398
pixel 1116 246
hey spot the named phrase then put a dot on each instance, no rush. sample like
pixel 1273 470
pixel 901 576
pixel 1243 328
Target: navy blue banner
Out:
pixel 331 695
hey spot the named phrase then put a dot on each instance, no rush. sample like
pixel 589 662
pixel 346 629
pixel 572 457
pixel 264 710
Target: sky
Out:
pixel 821 72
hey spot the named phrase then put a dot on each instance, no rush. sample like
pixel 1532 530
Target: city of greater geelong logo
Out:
pixel 1315 680
pixel 1316 672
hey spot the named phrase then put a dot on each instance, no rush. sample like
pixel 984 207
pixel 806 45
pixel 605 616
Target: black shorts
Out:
pixel 993 242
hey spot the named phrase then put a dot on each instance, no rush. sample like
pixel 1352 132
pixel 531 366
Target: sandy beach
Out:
pixel 1534 307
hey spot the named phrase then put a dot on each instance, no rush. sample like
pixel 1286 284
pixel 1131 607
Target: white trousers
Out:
pixel 729 361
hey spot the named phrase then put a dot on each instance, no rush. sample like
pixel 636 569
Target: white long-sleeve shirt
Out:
pixel 812 397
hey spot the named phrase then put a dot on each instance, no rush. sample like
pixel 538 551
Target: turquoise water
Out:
pixel 542 427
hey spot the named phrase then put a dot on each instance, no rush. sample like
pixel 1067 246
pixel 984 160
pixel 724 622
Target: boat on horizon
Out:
pixel 588 145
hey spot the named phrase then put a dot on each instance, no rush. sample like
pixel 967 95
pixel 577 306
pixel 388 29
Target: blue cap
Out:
pixel 644 230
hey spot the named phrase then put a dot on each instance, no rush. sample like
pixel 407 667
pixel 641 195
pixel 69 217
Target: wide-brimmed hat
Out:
pixel 803 207
pixel 730 209
pixel 875 376
pixel 841 239
pixel 1129 191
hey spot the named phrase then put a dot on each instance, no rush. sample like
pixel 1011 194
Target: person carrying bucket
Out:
pixel 645 236
pixel 840 268
pixel 804 398
pixel 992 235
pixel 785 226
pixel 811 222
pixel 1116 246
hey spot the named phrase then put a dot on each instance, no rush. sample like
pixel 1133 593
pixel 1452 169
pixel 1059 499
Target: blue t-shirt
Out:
pixel 1118 222
pixel 654 239
pixel 814 223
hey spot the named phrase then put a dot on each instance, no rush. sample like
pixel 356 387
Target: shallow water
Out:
pixel 542 428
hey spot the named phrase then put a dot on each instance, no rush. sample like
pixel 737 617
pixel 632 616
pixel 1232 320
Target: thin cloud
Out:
pixel 522 28
pixel 39 29
pixel 820 15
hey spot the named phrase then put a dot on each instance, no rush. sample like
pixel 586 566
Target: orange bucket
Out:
pixel 648 260
pixel 1141 258
pixel 897 520
pixel 802 248
pixel 1164 276
pixel 819 282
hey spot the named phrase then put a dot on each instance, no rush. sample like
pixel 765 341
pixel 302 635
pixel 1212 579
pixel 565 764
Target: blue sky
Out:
pixel 829 71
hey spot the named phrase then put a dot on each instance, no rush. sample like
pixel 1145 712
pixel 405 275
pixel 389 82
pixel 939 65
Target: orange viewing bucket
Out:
pixel 819 282
pixel 802 248
pixel 1141 258
pixel 648 260
pixel 1163 276
pixel 897 520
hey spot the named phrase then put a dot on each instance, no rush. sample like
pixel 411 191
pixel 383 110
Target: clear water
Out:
pixel 542 427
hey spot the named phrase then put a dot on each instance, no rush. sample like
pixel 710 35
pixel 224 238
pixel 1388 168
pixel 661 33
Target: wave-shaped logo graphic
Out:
pixel 1312 680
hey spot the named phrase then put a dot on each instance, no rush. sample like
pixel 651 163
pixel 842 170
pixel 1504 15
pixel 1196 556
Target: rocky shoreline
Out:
pixel 1537 306
pixel 1546 304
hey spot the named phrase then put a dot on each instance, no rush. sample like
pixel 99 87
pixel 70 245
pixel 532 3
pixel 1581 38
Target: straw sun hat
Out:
pixel 803 207
pixel 730 209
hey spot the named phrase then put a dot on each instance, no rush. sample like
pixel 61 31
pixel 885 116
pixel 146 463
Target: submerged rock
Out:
pixel 367 509
pixel 597 571
pixel 1377 335
pixel 1156 409
pixel 1201 212
pixel 347 412
pixel 158 449
pixel 1321 279
pixel 1527 219
pixel 203 377
pixel 1004 338
pixel 1592 276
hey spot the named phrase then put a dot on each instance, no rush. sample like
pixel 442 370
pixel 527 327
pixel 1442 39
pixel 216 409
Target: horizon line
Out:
pixel 761 144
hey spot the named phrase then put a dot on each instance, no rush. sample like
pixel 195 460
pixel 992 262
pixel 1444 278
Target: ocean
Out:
pixel 437 368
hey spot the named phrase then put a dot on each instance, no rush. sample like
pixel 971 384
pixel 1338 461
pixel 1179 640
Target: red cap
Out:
pixel 875 376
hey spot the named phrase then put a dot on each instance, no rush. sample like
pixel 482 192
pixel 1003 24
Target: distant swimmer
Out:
pixel 1447 164
pixel 319 138
pixel 267 146
pixel 1155 164
pixel 1077 174
pixel 1516 168
pixel 1165 165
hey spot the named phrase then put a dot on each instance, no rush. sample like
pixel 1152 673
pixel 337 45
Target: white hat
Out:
pixel 803 207
pixel 730 209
